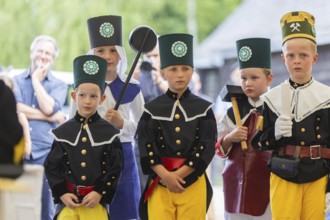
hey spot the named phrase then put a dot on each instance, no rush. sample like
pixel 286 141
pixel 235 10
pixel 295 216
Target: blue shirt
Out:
pixel 39 129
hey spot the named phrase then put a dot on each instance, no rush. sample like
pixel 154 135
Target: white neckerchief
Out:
pixel 305 100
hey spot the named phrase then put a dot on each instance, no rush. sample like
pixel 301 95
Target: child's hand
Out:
pixel 173 182
pixel 238 134
pixel 283 127
pixel 91 199
pixel 115 118
pixel 70 200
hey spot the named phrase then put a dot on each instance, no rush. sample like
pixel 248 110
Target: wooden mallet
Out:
pixel 230 93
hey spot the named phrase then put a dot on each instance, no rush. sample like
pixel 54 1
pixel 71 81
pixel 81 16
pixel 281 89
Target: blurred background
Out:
pixel 215 24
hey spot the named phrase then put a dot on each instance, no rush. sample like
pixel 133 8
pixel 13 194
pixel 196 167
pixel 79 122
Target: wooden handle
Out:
pixel 238 120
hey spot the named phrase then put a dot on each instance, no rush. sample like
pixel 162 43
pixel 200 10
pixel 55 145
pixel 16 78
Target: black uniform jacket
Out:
pixel 86 155
pixel 178 128
pixel 310 105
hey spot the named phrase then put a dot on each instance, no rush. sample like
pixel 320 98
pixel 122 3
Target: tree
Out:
pixel 21 21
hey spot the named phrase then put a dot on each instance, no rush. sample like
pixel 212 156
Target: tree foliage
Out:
pixel 22 20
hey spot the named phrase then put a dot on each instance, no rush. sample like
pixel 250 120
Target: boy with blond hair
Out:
pixel 299 134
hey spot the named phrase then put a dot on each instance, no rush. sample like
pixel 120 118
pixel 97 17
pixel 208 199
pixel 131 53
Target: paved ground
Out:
pixel 216 208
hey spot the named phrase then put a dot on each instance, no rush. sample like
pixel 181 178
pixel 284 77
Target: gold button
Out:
pixel 151 153
pixel 302 130
pixel 84 139
pixel 163 146
pixel 161 138
pixel 103 163
pixel 319 119
pixel 85 126
pixel 148 145
pixel 178 142
pixel 90 120
pixel 68 162
pixel 177 103
pixel 81 119
pixel 302 143
pixel 103 172
pixel 104 192
pixel 113 177
pixel 83 178
pixel 108 183
pixel 65 153
pixel 159 128
pixel 317 128
pixel 202 147
pixel 318 136
pixel 267 143
pixel 178 153
pixel 177 129
pixel 83 152
pixel 259 143
pixel 152 161
pixel 191 163
pixel 177 116
pixel 197 154
pixel 105 153
pixel 83 164
pixel 69 172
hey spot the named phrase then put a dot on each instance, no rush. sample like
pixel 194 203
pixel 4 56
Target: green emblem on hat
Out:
pixel 313 31
pixel 91 67
pixel 245 53
pixel 179 49
pixel 107 29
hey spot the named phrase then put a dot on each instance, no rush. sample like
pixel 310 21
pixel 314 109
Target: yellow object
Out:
pixel 260 123
pixel 83 213
pixel 292 201
pixel 19 151
pixel 190 204
pixel 238 120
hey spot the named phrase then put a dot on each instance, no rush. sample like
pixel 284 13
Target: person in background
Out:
pixel 246 175
pixel 85 163
pixel 41 96
pixel 106 41
pixel 150 78
pixel 176 137
pixel 195 86
pixel 300 133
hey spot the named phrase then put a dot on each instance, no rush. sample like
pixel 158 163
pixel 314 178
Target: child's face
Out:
pixel 110 54
pixel 255 82
pixel 299 55
pixel 178 77
pixel 87 97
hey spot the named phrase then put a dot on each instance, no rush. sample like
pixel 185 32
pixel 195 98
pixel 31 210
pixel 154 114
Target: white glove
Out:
pixel 283 127
pixel 327 202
